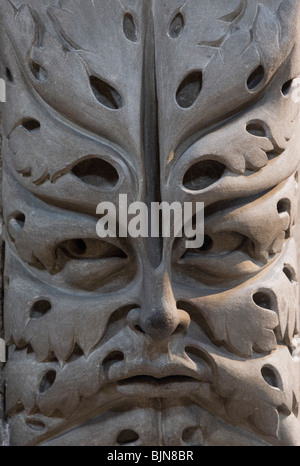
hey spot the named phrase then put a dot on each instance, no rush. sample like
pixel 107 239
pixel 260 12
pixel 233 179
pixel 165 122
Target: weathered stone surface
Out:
pixel 139 341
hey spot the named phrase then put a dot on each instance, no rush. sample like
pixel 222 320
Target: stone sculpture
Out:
pixel 123 341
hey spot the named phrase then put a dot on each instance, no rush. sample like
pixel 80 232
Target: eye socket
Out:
pixel 88 248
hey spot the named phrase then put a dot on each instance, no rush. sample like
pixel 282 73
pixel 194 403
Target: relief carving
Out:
pixel 123 341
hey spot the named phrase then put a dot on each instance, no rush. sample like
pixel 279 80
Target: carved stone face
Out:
pixel 122 341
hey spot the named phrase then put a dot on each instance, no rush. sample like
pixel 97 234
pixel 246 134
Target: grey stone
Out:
pixel 139 341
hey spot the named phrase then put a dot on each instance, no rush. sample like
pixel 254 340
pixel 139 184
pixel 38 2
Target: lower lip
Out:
pixel 152 387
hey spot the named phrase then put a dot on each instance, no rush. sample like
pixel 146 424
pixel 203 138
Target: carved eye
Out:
pixel 221 244
pixel 84 249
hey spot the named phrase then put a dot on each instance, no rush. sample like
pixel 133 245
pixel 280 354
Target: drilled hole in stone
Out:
pixel 269 376
pixel 9 75
pixel 129 27
pixel 17 221
pixel 262 299
pixel 127 436
pixel 47 381
pixel 35 424
pixel 40 308
pixel 176 26
pixel 112 358
pixel 256 129
pixel 255 78
pixel 286 88
pixel 31 124
pixel 284 205
pixel 96 172
pixel 289 272
pixel 105 93
pixel 189 89
pixel 193 436
pixel 203 174
pixel 38 71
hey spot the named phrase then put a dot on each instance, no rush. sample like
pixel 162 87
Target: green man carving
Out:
pixel 141 341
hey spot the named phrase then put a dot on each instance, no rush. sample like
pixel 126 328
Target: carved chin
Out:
pixel 159 421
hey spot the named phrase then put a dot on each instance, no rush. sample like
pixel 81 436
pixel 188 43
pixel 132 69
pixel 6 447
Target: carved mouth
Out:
pixel 160 376
pixel 148 379
pixel 152 387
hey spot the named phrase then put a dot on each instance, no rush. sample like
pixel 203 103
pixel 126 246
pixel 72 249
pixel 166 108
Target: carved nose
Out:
pixel 159 316
pixel 159 324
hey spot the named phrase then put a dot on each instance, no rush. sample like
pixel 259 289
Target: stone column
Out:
pixel 143 341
